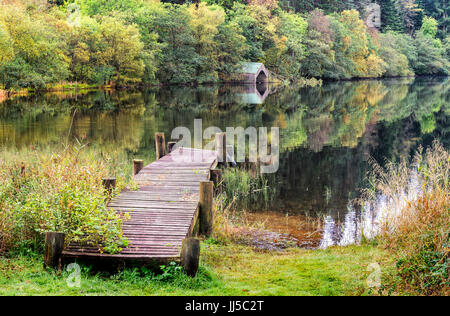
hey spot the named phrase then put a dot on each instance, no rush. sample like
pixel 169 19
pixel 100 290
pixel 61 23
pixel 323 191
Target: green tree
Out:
pixel 82 49
pixel 39 53
pixel 439 10
pixel 397 64
pixel 353 58
pixel 319 46
pixel 429 56
pixel 391 19
pixel 232 48
pixel 260 28
pixel 178 60
pixel 6 48
pixel 120 48
pixel 429 27
pixel 409 10
pixel 293 29
pixel 204 22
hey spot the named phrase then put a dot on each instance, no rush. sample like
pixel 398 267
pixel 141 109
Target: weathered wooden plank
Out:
pixel 163 211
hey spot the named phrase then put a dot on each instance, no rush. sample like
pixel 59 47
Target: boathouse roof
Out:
pixel 250 68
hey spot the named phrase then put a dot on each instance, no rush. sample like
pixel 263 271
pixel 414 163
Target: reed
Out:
pixel 247 190
pixel 415 219
pixel 243 190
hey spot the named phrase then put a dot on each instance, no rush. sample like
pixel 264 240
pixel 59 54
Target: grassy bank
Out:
pixel 415 220
pixel 62 190
pixel 225 270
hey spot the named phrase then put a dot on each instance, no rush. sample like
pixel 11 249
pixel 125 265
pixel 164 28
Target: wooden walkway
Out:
pixel 164 210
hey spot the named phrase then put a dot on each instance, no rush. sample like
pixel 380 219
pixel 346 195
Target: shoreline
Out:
pixel 312 82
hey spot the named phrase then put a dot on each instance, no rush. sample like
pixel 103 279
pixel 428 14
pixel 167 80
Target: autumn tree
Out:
pixel 120 49
pixel 319 46
pixel 6 49
pixel 205 21
pixel 293 32
pixel 35 55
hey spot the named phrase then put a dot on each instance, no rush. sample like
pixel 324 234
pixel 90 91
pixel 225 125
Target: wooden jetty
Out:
pixel 172 205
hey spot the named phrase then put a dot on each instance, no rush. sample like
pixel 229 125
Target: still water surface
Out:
pixel 327 134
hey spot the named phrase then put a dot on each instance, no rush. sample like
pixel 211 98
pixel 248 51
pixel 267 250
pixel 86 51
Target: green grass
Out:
pixel 225 270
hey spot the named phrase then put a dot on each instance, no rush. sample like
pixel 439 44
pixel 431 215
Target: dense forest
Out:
pixel 137 42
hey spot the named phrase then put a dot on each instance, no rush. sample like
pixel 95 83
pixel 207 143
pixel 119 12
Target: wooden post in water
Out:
pixel 216 177
pixel 206 215
pixel 138 164
pixel 54 245
pixel 109 184
pixel 160 143
pixel 170 146
pixel 190 255
pixel 221 147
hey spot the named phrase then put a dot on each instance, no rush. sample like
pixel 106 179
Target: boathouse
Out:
pixel 253 73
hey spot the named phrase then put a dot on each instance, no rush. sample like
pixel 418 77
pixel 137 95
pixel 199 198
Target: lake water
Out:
pixel 327 133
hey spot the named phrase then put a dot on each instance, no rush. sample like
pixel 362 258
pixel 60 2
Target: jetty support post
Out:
pixel 221 147
pixel 109 184
pixel 138 165
pixel 22 169
pixel 206 216
pixel 160 143
pixel 54 246
pixel 216 177
pixel 190 255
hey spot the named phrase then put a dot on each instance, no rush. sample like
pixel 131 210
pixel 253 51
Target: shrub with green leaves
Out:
pixel 43 191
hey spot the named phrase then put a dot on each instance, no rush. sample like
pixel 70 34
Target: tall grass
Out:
pixel 57 190
pixel 414 215
pixel 243 190
pixel 248 189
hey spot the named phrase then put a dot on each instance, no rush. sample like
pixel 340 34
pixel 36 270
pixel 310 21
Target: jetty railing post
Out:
pixel 109 184
pixel 54 246
pixel 190 255
pixel 221 147
pixel 170 146
pixel 206 215
pixel 160 143
pixel 216 177
pixel 138 165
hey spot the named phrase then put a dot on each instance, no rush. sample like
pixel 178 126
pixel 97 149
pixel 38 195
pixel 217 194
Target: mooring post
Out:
pixel 206 215
pixel 215 176
pixel 22 169
pixel 190 255
pixel 160 143
pixel 170 146
pixel 109 184
pixel 221 147
pixel 54 246
pixel 138 165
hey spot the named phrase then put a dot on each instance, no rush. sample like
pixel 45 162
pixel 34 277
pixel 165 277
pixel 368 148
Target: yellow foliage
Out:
pixel 205 20
pixel 375 66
